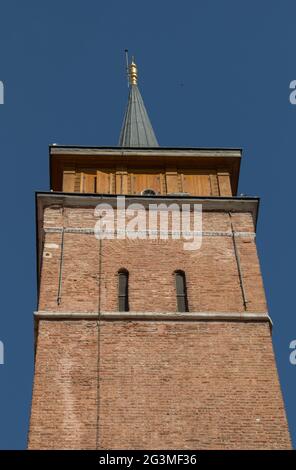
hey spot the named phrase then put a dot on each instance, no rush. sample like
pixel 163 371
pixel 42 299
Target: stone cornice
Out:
pixel 204 233
pixel 153 316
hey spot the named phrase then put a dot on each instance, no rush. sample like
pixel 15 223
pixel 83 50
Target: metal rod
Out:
pixel 240 274
pixel 99 347
pixel 59 297
pixel 127 67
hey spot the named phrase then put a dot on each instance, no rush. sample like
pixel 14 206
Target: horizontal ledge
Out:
pixel 180 234
pixel 166 316
pixel 209 203
pixel 142 151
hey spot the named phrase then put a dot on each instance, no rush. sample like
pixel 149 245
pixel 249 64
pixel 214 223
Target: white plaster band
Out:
pixel 203 233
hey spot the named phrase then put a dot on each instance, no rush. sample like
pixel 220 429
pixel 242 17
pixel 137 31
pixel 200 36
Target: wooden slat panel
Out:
pixel 163 189
pixel 68 181
pixel 172 183
pixel 104 182
pixel 214 185
pixel 145 180
pixel 203 182
pixel 226 160
pixel 88 181
pixel 129 183
pixel 77 183
pixel 112 182
pixel 124 182
pixel 118 183
pixel 121 180
pixel 224 183
pixel 196 184
pixel 180 182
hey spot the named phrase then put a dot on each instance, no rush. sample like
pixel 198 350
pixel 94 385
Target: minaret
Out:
pixel 140 343
pixel 136 130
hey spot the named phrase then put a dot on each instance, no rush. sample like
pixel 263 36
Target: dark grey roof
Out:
pixel 136 130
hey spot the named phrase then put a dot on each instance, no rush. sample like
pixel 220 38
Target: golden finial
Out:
pixel 133 72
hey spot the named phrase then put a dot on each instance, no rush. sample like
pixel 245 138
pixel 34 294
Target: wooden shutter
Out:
pixel 196 184
pixel 88 182
pixel 224 183
pixel 172 183
pixel 68 181
pixel 104 182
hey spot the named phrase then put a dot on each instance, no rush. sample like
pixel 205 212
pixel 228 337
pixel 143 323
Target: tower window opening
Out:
pixel 181 291
pixel 148 192
pixel 123 305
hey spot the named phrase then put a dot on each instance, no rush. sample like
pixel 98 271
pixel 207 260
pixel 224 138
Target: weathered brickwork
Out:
pixel 166 384
pixel 65 386
pixel 138 384
pixel 211 272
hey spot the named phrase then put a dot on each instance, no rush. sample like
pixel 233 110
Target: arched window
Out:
pixel 123 290
pixel 148 192
pixel 181 291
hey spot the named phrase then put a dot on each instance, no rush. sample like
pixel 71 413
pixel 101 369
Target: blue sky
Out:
pixel 212 73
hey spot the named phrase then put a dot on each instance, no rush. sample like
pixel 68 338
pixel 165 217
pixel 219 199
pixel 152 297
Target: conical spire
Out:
pixel 136 130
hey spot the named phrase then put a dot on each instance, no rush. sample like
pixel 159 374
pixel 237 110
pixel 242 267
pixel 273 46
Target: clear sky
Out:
pixel 212 73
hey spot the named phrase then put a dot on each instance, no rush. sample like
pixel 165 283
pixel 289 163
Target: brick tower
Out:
pixel 140 343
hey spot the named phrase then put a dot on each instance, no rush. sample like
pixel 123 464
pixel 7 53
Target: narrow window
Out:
pixel 181 291
pixel 123 290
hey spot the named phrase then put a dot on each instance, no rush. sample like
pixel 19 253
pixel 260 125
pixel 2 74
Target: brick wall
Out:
pixel 184 385
pixel 211 272
pixel 153 384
